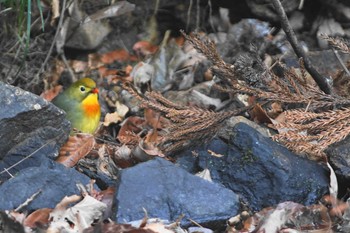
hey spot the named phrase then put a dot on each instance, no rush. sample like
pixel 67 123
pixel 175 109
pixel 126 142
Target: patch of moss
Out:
pixel 248 157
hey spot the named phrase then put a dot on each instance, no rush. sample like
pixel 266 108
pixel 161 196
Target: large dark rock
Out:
pixel 53 179
pixel 32 129
pixel 263 172
pixel 166 191
pixel 339 158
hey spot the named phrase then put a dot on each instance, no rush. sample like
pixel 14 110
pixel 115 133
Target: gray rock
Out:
pixel 326 61
pixel 31 129
pixel 166 191
pixel 226 130
pixel 263 172
pixel 339 158
pixel 53 179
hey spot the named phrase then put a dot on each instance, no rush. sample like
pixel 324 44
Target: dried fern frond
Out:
pixel 311 133
pixel 303 132
pixel 188 125
pixel 293 88
pixel 203 45
pixel 337 43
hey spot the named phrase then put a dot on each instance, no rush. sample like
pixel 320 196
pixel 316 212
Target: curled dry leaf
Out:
pixel 145 48
pixel 79 66
pixel 205 174
pixel 105 72
pixel 275 110
pixel 16 216
pixel 117 116
pixel 38 218
pixel 77 147
pixel 78 217
pixel 147 147
pixel 108 199
pixel 338 208
pixel 288 217
pixel 121 109
pixel 103 162
pixel 154 119
pixel 157 228
pixel 120 55
pixel 259 114
pixel 212 153
pixel 112 118
pixel 122 156
pixel 62 206
pixel 94 61
pixel 51 93
pixel 129 130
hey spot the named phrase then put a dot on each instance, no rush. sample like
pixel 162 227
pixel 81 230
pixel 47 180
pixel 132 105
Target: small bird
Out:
pixel 80 102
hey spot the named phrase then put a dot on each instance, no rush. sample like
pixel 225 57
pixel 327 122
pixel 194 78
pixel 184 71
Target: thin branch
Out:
pixel 29 200
pixel 319 79
pixel 28 156
pixel 59 26
pixel 189 14
pixel 341 61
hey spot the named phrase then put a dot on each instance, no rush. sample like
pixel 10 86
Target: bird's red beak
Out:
pixel 95 90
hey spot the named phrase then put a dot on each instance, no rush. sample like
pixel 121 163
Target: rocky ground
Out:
pixel 193 137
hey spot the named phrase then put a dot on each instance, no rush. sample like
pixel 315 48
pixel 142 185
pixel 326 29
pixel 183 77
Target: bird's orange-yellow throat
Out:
pixel 80 102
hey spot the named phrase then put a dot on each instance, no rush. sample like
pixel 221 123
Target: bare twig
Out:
pixel 9 173
pixel 198 15
pixel 301 5
pixel 211 16
pixel 28 156
pixel 70 70
pixel 189 14
pixel 341 62
pixel 28 200
pixel 319 79
pixel 59 26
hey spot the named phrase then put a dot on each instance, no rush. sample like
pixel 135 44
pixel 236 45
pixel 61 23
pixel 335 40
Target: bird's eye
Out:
pixel 82 88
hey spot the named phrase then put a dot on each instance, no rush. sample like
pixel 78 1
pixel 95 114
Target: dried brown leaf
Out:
pixel 38 218
pixel 78 217
pixel 147 147
pixel 108 198
pixel 259 115
pixel 121 155
pixel 77 147
pixel 51 93
pixel 152 118
pixel 112 118
pixel 129 130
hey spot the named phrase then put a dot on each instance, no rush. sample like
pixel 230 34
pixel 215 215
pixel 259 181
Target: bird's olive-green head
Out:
pixel 80 102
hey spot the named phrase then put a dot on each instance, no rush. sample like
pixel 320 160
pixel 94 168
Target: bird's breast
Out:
pixel 91 107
